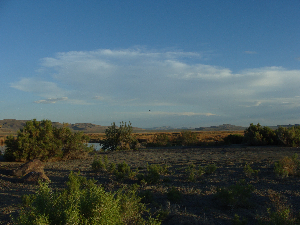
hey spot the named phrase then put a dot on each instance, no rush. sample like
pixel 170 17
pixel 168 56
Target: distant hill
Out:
pixel 224 127
pixel 13 125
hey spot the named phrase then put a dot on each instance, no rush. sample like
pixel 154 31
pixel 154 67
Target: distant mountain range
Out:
pixel 13 125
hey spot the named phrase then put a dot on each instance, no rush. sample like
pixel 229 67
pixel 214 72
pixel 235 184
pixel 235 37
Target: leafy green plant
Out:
pixel 98 165
pixel 174 195
pixel 153 173
pixel 211 168
pixel 191 172
pixel 41 140
pixel 83 202
pixel 249 171
pixel 119 138
pixel 235 195
pixel 288 166
pixel 123 171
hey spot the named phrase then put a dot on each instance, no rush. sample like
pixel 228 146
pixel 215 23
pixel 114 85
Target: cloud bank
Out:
pixel 173 83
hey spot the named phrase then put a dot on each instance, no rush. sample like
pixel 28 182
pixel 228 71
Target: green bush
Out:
pixel 153 173
pixel 235 195
pixel 187 138
pixel 289 136
pixel 98 165
pixel 288 166
pixel 123 171
pixel 41 140
pixel 174 195
pixel 233 139
pixel 83 202
pixel 119 138
pixel 258 135
pixel 280 212
pixel 211 168
pixel 249 171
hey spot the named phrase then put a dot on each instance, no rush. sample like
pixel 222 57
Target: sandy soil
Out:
pixel 198 204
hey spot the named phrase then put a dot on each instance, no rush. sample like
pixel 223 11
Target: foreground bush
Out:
pixel 82 202
pixel 288 166
pixel 41 140
pixel 119 138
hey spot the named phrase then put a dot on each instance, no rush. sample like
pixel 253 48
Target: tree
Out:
pixel 41 140
pixel 119 138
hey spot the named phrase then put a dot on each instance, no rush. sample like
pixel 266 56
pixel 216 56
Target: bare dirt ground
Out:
pixel 198 204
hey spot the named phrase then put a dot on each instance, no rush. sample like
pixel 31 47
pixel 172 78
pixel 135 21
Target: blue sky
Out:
pixel 154 63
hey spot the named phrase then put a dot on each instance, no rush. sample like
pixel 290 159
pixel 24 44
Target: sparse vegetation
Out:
pixel 236 195
pixel 288 166
pixel 249 171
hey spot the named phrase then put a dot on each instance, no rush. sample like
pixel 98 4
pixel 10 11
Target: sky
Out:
pixel 154 63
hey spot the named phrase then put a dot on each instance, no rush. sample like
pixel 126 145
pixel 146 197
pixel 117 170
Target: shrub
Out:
pixel 235 195
pixel 258 135
pixel 280 213
pixel 211 168
pixel 233 139
pixel 288 166
pixel 249 171
pixel 191 172
pixel 119 138
pixel 83 202
pixel 174 195
pixel 41 140
pixel 289 136
pixel 187 138
pixel 153 173
pixel 123 171
pixel 160 140
pixel 98 165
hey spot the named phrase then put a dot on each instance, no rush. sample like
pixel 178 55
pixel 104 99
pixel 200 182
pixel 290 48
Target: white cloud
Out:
pixel 141 78
pixel 42 88
pixel 51 100
pixel 180 113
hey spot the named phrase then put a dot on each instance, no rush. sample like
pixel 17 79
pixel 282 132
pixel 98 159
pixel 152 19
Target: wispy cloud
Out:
pixel 51 100
pixel 40 87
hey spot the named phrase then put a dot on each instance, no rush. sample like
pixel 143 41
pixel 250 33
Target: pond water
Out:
pixel 2 148
pixel 96 146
